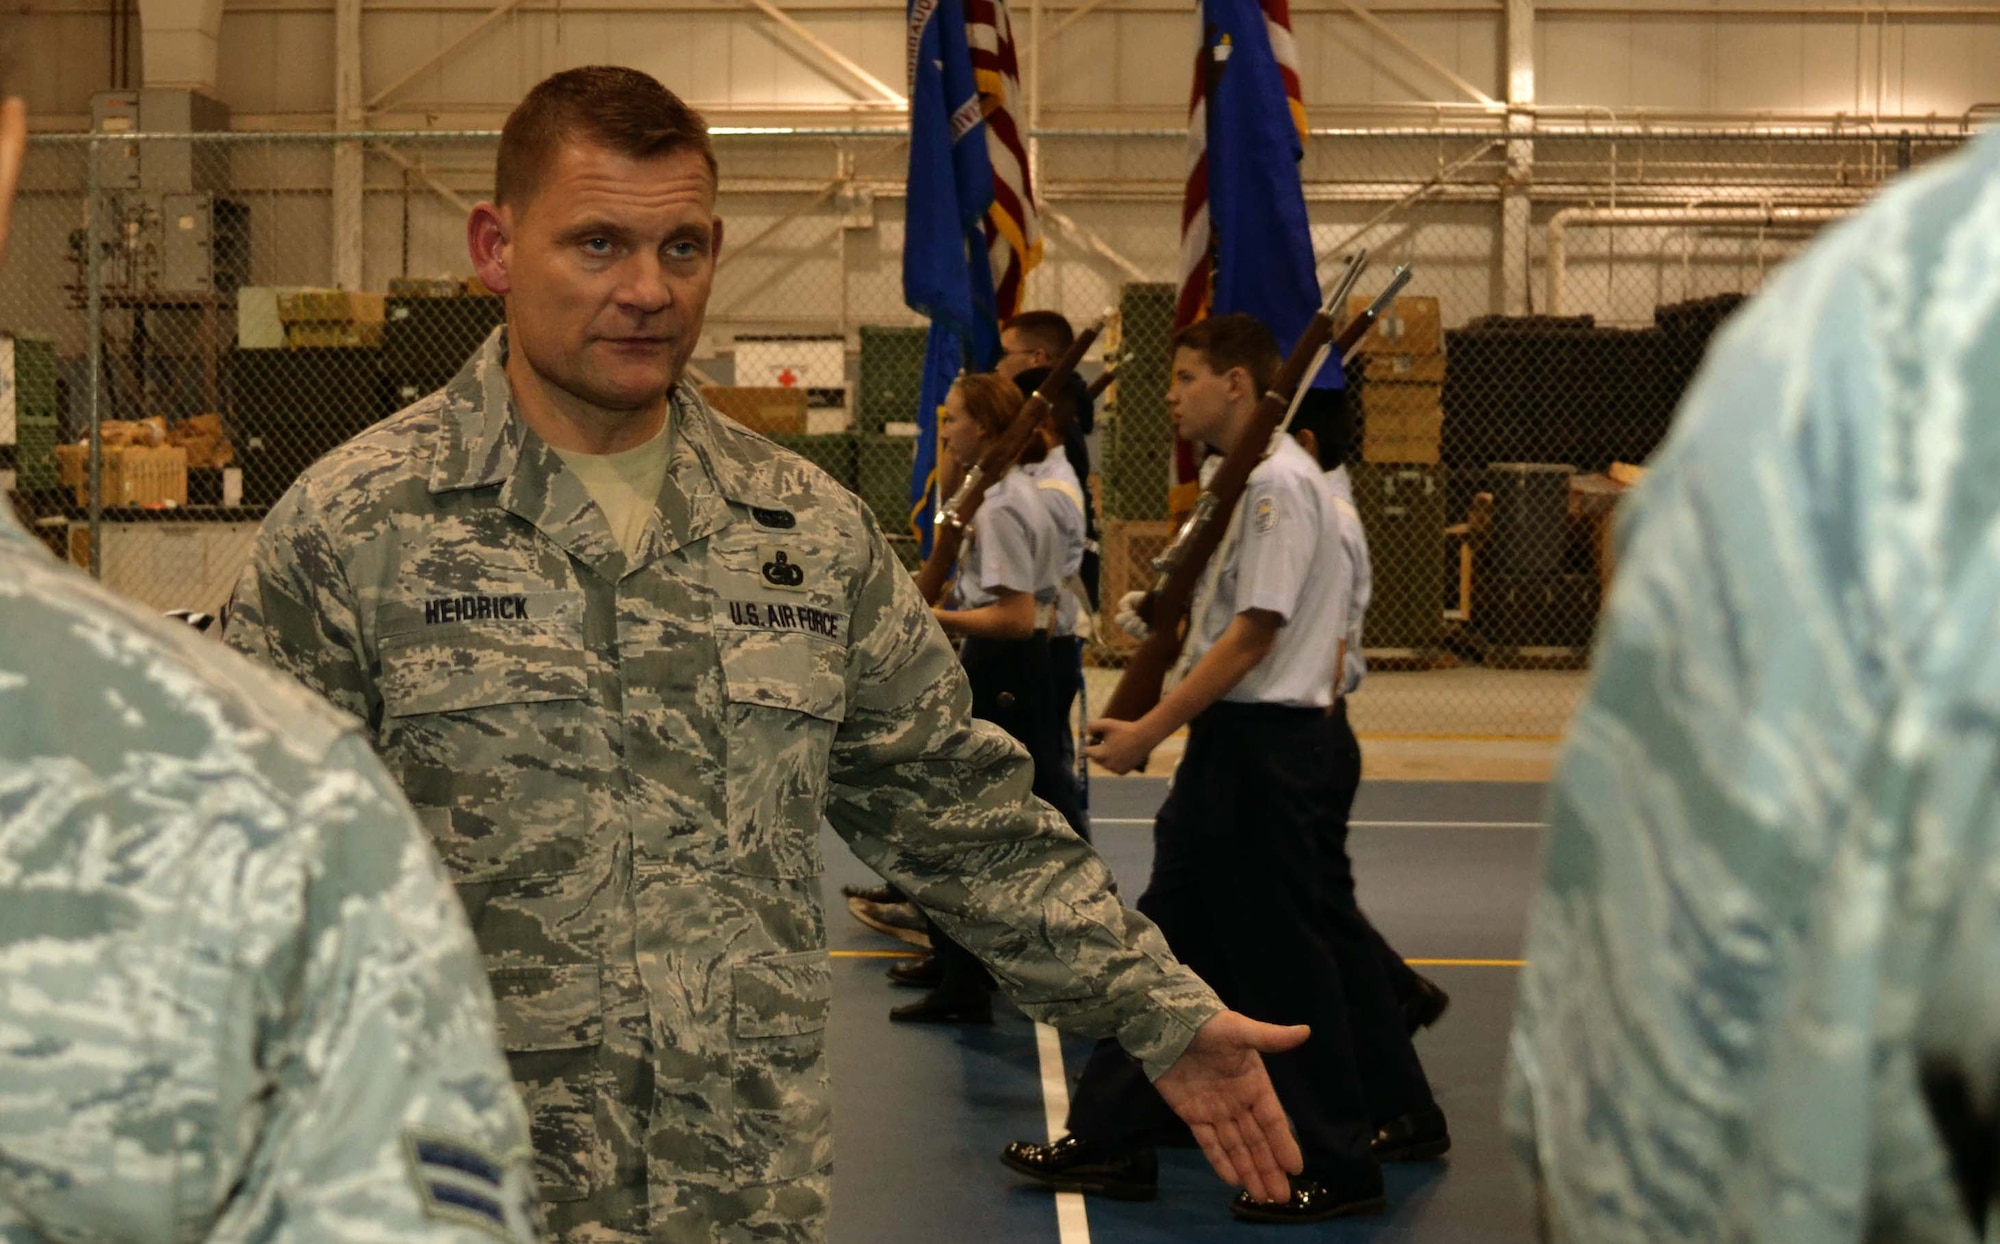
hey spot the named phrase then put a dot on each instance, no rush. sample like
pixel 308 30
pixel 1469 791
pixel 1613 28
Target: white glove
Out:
pixel 1128 618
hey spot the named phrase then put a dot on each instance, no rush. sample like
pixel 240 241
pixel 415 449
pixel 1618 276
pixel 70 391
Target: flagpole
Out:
pixel 1034 116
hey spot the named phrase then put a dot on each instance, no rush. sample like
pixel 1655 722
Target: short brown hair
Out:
pixel 1045 330
pixel 1227 342
pixel 992 401
pixel 625 110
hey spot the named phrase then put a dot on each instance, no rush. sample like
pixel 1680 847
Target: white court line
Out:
pixel 1071 1226
pixel 1147 820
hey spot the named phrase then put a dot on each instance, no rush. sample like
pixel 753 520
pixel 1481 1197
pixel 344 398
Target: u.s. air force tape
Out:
pixel 459 1182
pixel 764 615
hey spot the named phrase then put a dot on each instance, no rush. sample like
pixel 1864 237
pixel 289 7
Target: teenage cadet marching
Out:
pixel 241 1001
pixel 1251 882
pixel 627 781
pixel 1001 605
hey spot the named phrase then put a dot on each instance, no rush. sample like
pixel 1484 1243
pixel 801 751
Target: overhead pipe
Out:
pixel 1768 216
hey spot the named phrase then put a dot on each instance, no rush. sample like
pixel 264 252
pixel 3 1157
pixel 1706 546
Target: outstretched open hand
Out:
pixel 1221 1088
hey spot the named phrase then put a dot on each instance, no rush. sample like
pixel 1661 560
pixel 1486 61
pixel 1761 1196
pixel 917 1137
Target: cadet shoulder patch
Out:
pixel 1267 515
pixel 459 1182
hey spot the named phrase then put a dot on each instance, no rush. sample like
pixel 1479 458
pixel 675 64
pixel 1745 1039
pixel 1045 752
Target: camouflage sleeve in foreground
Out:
pixel 1764 920
pixel 939 804
pixel 394 1114
pixel 241 1000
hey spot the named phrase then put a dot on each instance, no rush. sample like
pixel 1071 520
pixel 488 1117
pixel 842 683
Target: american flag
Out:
pixel 1197 289
pixel 1013 235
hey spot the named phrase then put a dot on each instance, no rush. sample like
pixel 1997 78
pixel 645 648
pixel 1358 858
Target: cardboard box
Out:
pixel 134 475
pixel 1404 368
pixel 202 438
pixel 1130 545
pixel 329 306
pixel 427 287
pixel 346 334
pixel 1391 398
pixel 1401 422
pixel 258 324
pixel 1414 324
pixel 772 411
pixel 1403 451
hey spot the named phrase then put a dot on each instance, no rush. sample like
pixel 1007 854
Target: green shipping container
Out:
pixel 1136 461
pixel 892 372
pixel 883 479
pixel 1402 511
pixel 35 454
pixel 29 364
pixel 34 376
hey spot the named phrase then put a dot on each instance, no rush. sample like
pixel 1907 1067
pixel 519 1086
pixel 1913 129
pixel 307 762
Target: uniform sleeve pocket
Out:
pixel 783 996
pixel 552 1008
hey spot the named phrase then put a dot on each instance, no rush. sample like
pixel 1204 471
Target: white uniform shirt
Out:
pixel 1060 493
pixel 1012 548
pixel 1285 555
pixel 1355 538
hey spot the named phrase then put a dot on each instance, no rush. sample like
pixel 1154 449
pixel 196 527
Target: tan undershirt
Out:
pixel 626 485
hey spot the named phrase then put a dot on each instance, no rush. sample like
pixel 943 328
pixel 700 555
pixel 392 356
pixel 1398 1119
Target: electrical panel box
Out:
pixel 173 164
pixel 116 112
pixel 182 165
pixel 205 244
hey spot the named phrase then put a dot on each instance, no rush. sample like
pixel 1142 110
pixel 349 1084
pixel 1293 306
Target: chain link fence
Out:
pixel 1566 284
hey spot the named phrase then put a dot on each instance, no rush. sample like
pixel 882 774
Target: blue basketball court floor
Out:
pixel 1445 871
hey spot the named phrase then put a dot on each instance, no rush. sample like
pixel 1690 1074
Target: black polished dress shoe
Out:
pixel 1311 1201
pixel 1175 1135
pixel 1074 1165
pixel 1426 1006
pixel 1419 1136
pixel 921 973
pixel 938 1007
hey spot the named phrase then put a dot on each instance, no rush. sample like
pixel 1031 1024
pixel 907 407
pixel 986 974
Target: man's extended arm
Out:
pixel 940 805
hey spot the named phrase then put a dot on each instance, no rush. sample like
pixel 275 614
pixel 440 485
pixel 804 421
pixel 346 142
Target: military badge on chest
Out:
pixel 780 569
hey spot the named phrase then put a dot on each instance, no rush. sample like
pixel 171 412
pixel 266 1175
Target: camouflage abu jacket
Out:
pixel 1760 1004
pixel 625 765
pixel 240 1001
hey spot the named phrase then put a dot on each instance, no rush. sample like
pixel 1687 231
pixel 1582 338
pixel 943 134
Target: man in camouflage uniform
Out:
pixel 622 723
pixel 1762 1000
pixel 240 999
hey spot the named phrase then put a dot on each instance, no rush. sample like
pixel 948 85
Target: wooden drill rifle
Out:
pixel 1181 566
pixel 949 533
pixel 1099 385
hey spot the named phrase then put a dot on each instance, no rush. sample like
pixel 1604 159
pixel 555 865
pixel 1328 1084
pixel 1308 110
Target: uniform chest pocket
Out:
pixel 484 652
pixel 784 696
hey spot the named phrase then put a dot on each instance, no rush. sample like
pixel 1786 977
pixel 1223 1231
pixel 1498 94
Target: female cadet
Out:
pixel 1061 493
pixel 1001 607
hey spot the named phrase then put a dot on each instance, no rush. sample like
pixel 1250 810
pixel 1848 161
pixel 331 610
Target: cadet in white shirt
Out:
pixel 1251 881
pixel 1010 571
pixel 1322 427
pixel 1061 492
